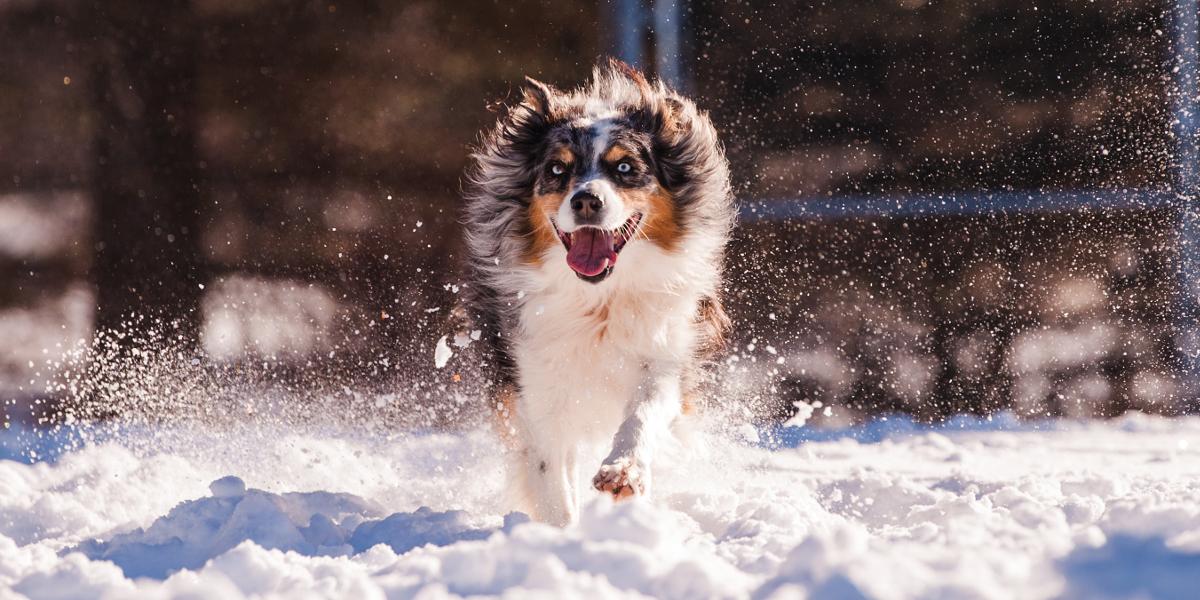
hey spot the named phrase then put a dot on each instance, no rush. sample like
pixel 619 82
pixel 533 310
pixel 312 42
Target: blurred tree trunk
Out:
pixel 147 192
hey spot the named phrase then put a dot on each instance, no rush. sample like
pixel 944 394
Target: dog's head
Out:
pixel 619 162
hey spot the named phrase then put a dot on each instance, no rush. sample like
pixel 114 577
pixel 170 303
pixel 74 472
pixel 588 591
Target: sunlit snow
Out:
pixel 975 508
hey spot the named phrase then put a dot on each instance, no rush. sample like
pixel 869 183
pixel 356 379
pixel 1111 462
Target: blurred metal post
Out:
pixel 629 20
pixel 1186 124
pixel 668 33
pixel 632 21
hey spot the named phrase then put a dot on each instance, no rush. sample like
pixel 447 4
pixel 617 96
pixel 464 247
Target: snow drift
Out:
pixel 975 509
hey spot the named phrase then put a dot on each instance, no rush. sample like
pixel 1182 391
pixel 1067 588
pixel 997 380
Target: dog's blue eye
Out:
pixel 624 167
pixel 557 169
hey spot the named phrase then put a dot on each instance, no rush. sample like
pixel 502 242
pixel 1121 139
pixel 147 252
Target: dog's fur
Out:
pixel 583 357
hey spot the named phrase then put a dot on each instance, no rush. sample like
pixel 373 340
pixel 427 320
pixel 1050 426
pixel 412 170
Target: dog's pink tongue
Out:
pixel 591 251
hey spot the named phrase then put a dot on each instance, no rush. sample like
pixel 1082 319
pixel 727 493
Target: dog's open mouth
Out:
pixel 592 252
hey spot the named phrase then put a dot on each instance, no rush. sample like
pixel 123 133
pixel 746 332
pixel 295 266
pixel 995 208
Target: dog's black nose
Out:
pixel 586 205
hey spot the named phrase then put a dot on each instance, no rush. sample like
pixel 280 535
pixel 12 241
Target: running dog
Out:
pixel 587 351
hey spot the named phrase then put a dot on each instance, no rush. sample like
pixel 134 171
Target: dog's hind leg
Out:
pixel 549 480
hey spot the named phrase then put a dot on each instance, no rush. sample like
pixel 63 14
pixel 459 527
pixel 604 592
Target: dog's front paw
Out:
pixel 623 477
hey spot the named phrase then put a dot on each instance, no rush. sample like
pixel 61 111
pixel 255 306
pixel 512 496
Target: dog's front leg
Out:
pixel 626 471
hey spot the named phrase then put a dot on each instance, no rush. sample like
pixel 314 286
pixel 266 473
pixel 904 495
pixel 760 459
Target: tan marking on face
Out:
pixel 615 155
pixel 660 221
pixel 541 233
pixel 562 154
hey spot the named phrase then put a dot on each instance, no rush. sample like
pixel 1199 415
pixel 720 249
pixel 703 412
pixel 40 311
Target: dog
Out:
pixel 596 226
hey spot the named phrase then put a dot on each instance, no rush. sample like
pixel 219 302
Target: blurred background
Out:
pixel 947 205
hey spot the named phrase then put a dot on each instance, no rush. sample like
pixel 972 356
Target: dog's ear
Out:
pixel 670 122
pixel 664 116
pixel 624 69
pixel 670 116
pixel 539 97
pixel 662 106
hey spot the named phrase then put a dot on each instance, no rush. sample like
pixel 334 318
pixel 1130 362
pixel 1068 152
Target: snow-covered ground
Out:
pixel 972 510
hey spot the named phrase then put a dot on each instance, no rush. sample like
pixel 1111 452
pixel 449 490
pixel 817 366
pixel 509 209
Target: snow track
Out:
pixel 889 511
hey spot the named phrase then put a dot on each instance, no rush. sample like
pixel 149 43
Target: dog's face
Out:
pixel 597 190
pixel 616 165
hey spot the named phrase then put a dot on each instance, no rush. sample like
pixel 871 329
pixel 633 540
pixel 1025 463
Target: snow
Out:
pixel 442 353
pixel 976 508
pixel 228 487
pixel 804 412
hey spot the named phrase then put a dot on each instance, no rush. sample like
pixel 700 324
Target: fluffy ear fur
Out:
pixel 622 68
pixel 663 108
pixel 686 146
pixel 670 117
pixel 502 167
pixel 539 97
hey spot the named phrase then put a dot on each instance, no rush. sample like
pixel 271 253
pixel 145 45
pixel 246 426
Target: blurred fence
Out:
pixel 947 206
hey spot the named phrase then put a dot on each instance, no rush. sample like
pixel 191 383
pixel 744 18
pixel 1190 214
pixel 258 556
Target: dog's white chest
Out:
pixel 582 356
